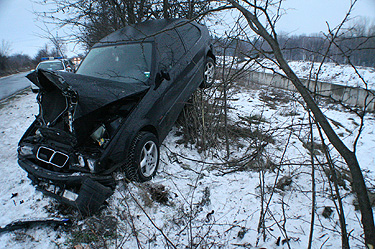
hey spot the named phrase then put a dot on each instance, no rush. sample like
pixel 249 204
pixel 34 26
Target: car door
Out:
pixel 170 50
pixel 193 59
pixel 186 72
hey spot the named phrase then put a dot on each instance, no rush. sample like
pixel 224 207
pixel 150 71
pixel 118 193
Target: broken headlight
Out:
pixel 81 161
pixel 91 164
pixel 25 150
pixel 84 161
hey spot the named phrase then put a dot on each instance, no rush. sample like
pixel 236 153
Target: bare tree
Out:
pixel 58 43
pixel 266 29
pixel 92 20
pixel 4 52
pixel 5 48
pixel 42 52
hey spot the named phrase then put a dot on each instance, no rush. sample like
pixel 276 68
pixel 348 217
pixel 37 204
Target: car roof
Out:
pixel 144 31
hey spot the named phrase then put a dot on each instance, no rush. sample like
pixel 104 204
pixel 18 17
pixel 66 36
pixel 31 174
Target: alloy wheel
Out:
pixel 149 158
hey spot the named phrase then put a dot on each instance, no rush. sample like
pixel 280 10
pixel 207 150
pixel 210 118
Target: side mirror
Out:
pixel 160 77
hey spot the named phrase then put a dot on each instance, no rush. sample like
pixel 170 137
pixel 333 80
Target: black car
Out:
pixel 115 111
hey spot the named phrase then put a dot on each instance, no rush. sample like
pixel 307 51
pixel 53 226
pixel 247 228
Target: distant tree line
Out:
pixel 355 45
pixel 359 49
pixel 10 64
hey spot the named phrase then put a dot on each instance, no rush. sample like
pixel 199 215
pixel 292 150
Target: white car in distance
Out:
pixel 53 64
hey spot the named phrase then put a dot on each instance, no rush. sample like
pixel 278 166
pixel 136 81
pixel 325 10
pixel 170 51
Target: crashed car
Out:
pixel 115 111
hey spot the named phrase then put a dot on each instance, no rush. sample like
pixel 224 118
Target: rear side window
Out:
pixel 170 48
pixel 54 65
pixel 189 34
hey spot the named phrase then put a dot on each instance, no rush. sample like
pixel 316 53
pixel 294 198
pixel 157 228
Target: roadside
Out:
pixel 13 84
pixel 18 198
pixel 14 72
pixel 5 100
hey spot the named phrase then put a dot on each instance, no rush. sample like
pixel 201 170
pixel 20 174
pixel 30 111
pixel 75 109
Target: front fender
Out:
pixel 117 150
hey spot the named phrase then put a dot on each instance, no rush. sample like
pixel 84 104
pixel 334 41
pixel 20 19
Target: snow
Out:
pixel 16 115
pixel 215 208
pixel 336 73
pixel 340 74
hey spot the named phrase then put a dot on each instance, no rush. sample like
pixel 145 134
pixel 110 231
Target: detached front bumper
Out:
pixel 90 190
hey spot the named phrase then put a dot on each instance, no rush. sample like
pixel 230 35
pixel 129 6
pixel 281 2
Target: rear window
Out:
pixel 170 48
pixel 53 65
pixel 189 34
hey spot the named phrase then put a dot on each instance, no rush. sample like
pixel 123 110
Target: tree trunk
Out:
pixel 130 10
pixel 191 9
pixel 165 9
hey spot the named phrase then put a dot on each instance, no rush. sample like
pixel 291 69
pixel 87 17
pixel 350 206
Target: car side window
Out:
pixel 170 49
pixel 189 34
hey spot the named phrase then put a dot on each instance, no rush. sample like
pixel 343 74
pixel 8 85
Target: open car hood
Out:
pixel 92 93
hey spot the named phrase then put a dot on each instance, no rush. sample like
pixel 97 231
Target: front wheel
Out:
pixel 143 157
pixel 209 73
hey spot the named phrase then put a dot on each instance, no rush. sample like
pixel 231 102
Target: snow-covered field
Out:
pixel 336 73
pixel 329 72
pixel 190 199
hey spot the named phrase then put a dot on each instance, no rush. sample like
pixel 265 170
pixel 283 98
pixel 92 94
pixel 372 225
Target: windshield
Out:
pixel 129 63
pixel 53 65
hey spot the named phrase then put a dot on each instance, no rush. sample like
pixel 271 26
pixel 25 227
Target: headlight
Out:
pixel 25 150
pixel 91 164
pixel 84 161
pixel 81 161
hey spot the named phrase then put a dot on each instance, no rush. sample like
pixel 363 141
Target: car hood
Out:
pixel 91 93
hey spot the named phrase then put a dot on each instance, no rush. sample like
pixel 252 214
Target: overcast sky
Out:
pixel 19 27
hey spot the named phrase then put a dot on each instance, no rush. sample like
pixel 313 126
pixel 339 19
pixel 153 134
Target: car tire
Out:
pixel 208 73
pixel 143 157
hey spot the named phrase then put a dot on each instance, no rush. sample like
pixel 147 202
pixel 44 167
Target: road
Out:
pixel 12 84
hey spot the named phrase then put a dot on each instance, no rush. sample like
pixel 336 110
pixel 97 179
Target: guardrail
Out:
pixel 352 96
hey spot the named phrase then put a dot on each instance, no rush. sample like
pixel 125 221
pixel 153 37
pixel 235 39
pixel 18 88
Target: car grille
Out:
pixel 51 156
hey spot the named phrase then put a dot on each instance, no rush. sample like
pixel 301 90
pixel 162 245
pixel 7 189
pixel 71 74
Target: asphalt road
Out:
pixel 11 84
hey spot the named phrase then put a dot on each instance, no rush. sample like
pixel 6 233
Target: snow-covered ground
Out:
pixel 333 73
pixel 329 72
pixel 202 200
pixel 338 74
pixel 18 198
